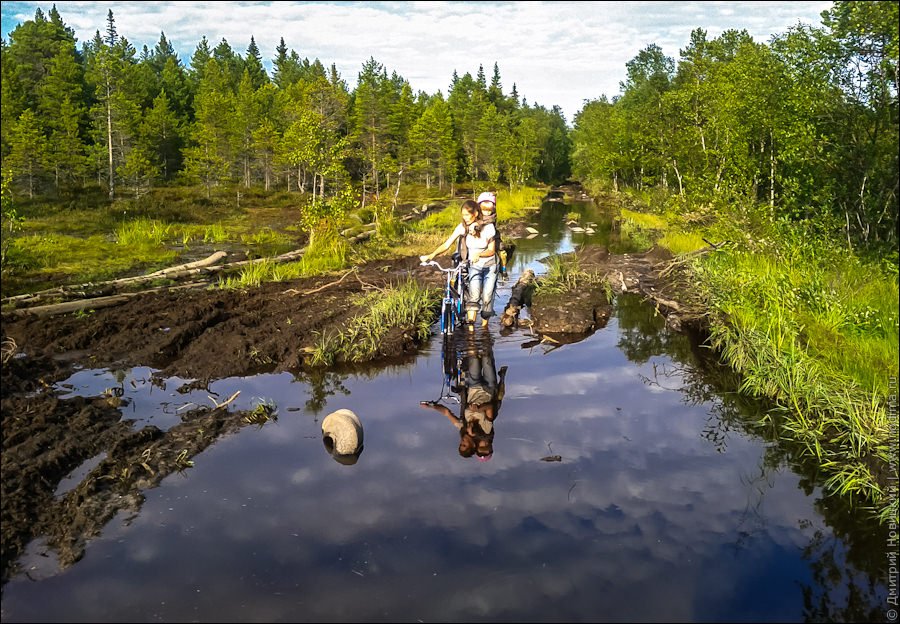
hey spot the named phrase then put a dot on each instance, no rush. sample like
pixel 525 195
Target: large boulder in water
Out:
pixel 342 434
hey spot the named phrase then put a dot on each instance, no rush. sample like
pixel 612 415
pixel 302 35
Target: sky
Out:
pixel 556 53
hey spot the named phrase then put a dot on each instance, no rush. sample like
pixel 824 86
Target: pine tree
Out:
pixel 287 66
pixel 199 59
pixel 245 122
pixel 495 92
pixel 28 152
pixel 208 159
pixel 370 120
pixel 112 36
pixel 161 137
pixel 111 72
pixel 229 63
pixel 254 67
pixel 62 109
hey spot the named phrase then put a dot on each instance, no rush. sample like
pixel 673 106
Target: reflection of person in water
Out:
pixel 480 399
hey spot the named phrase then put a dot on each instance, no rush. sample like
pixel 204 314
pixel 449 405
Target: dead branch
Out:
pixel 214 258
pixel 9 349
pixel 293 291
pixel 201 267
pixel 690 256
pixel 221 405
pixel 367 286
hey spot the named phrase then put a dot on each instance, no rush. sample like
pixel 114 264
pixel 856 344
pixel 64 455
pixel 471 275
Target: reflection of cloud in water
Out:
pixel 582 382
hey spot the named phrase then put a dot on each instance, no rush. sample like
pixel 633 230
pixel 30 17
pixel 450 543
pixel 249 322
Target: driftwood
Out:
pixel 90 291
pixel 293 291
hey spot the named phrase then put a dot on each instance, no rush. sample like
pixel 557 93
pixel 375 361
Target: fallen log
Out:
pixel 95 303
pixel 81 290
pixel 213 259
pixel 89 290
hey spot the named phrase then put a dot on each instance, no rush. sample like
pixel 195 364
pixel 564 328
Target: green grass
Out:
pixel 512 204
pixel 144 232
pixel 565 275
pixel 90 239
pixel 818 334
pixel 807 324
pixel 406 306
pixel 328 252
pixel 644 220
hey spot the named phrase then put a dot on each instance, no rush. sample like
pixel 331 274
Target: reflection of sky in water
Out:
pixel 643 519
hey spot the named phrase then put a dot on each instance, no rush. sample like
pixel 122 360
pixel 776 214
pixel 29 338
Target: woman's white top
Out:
pixel 477 244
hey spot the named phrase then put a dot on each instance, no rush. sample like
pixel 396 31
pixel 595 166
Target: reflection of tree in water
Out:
pixel 643 331
pixel 327 382
pixel 848 582
pixel 322 384
pixel 848 563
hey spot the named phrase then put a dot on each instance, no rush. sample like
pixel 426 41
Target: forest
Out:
pixel 806 124
pixel 108 117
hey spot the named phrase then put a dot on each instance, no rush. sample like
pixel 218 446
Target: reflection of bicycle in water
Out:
pixel 480 388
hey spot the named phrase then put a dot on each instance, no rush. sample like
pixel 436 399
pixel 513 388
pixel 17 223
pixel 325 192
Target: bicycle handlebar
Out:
pixel 434 262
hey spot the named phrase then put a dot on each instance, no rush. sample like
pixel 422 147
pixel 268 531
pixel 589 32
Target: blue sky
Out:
pixel 555 52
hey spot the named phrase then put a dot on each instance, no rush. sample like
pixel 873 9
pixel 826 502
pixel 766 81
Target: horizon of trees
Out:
pixel 806 124
pixel 109 116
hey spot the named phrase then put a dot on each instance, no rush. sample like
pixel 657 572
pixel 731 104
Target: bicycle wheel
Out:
pixel 449 360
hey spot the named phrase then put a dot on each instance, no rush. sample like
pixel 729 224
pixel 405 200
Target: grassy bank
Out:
pixel 808 323
pixel 407 308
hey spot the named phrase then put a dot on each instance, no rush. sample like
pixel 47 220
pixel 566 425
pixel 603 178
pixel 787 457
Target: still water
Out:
pixel 666 504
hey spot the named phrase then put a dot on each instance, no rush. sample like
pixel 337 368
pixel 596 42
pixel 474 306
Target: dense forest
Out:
pixel 807 123
pixel 107 115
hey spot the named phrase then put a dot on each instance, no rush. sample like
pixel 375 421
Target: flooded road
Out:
pixel 661 501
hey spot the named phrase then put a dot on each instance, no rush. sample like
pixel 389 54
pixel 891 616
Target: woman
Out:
pixel 479 248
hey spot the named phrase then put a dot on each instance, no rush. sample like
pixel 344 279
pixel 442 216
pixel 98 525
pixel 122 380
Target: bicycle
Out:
pixel 453 302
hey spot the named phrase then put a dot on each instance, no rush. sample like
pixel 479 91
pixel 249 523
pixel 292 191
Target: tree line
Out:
pixel 108 116
pixel 807 123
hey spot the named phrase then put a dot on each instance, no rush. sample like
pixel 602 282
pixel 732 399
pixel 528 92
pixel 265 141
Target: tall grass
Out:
pixel 328 252
pixel 818 332
pixel 407 306
pixel 808 324
pixel 512 203
pixel 143 231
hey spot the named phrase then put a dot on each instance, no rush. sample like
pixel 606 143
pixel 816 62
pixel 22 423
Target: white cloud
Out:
pixel 559 53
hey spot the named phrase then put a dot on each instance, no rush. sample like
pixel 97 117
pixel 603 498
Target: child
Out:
pixel 487 201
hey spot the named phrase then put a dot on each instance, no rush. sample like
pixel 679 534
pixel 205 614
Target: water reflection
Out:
pixel 849 540
pixel 476 386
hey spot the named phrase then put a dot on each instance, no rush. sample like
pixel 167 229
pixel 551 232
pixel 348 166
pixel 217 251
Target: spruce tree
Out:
pixel 254 67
